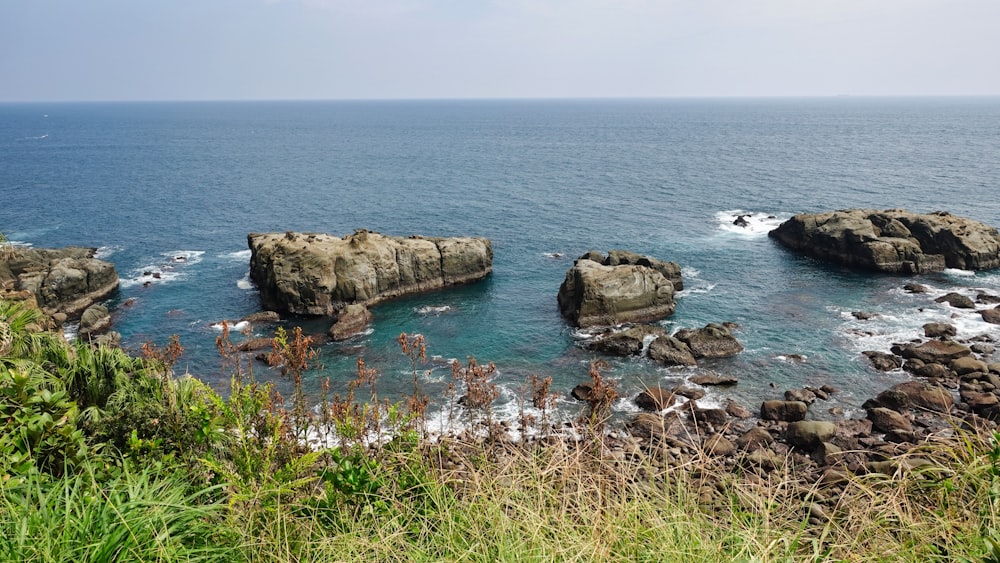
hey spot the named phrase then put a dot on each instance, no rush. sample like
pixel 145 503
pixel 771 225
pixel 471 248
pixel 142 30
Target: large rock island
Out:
pixel 894 241
pixel 319 274
pixel 63 282
pixel 622 287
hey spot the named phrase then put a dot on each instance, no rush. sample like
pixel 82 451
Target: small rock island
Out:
pixel 893 241
pixel 321 274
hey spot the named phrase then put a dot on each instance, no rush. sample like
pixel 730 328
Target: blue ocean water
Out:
pixel 149 183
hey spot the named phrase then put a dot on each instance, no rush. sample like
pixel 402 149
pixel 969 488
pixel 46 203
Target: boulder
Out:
pixel 629 342
pixel 915 288
pixel 65 280
pixel 804 395
pixel 926 396
pixel 712 341
pixel 692 393
pixel 713 379
pixel 262 317
pixel 888 420
pixel 987 299
pixel 956 300
pixel 882 361
pixel 317 274
pixel 936 351
pixel 787 411
pixel 95 320
pixel 650 426
pixel 718 445
pixel 351 320
pixel 939 330
pixel 655 399
pixel 809 433
pixel 991 316
pixel 582 392
pixel 669 351
pixel 967 365
pixel 594 294
pixel 754 438
pixel 893 241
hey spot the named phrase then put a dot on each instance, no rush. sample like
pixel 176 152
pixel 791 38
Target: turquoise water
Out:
pixel 546 181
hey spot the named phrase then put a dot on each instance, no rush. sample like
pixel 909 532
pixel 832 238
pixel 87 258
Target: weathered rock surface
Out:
pixel 957 300
pixel 787 411
pixel 64 280
pixel 655 399
pixel 317 274
pixel 712 341
pixel 893 241
pixel 351 320
pixel 599 293
pixel 95 320
pixel 669 351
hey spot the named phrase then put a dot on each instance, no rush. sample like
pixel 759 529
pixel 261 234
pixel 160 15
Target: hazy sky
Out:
pixel 336 49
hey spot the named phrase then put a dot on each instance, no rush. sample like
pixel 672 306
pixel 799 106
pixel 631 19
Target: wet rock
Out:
pixel 882 361
pixel 862 315
pixel 956 300
pixel 713 379
pixel 717 418
pixel 254 344
pixel 629 342
pixel 804 395
pixel 987 299
pixel 582 392
pixel 991 316
pixel 939 330
pixel 262 317
pixel 351 320
pixel 655 399
pixel 915 288
pixel 983 349
pixel 669 351
pixel 692 393
pixel 787 411
pixel 736 410
pixel 931 370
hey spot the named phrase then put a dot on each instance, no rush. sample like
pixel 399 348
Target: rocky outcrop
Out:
pixel 351 320
pixel 712 341
pixel 620 288
pixel 629 342
pixel 317 274
pixel 893 241
pixel 63 281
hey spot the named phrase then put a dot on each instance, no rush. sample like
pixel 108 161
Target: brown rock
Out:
pixel 754 438
pixel 718 445
pixel 804 395
pixel 736 410
pixel 991 316
pixel 939 330
pixel 655 399
pixel 712 341
pixel 351 320
pixel 593 294
pixel 626 343
pixel 882 361
pixel 926 396
pixel 936 351
pixel 967 365
pixel 787 411
pixel 809 433
pixel 669 351
pixel 888 420
pixel 713 379
pixel 956 300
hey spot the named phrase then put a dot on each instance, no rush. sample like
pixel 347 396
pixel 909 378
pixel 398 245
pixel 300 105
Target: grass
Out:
pixel 208 478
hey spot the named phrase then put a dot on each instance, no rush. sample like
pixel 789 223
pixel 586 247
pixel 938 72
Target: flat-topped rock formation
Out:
pixel 893 241
pixel 63 281
pixel 622 287
pixel 318 274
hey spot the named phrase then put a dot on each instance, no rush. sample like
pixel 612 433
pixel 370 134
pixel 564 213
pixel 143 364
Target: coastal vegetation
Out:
pixel 110 457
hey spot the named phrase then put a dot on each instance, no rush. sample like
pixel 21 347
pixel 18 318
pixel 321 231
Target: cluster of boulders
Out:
pixel 893 241
pixel 64 283
pixel 684 348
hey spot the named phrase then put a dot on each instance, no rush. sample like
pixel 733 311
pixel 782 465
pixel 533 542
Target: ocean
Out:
pixel 174 188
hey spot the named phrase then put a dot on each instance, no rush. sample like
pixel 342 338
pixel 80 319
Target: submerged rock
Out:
pixel 317 274
pixel 893 241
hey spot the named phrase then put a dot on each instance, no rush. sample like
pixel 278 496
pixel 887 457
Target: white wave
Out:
pixel 236 327
pixel 959 273
pixel 432 310
pixel 688 272
pixel 238 256
pixel 553 255
pixel 71 331
pixel 700 289
pixel 105 252
pixel 244 282
pixel 752 224
pixel 184 256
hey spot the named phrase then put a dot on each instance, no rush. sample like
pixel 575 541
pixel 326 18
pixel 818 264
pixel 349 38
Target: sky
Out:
pixel 88 50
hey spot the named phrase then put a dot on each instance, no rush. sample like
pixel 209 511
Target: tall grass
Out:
pixel 136 516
